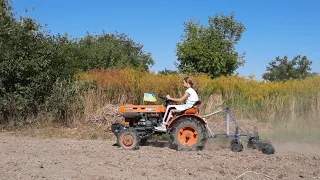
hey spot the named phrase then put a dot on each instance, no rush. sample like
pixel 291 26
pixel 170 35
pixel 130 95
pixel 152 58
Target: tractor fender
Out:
pixel 172 122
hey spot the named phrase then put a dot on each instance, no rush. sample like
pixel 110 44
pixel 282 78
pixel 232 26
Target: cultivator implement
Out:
pixel 253 140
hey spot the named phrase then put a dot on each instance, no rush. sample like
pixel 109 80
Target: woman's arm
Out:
pixel 181 99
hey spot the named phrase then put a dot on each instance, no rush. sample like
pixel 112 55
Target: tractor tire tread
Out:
pixel 174 142
pixel 133 132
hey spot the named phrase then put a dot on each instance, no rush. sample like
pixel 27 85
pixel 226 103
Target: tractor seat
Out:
pixel 194 109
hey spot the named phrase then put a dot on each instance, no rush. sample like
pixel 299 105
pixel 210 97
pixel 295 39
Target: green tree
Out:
pixel 31 61
pixel 111 50
pixel 282 69
pixel 211 49
pixel 29 66
pixel 167 72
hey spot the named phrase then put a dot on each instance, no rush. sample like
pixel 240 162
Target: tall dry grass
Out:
pixel 291 104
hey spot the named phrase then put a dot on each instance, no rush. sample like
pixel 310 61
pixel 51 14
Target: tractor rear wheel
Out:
pixel 188 134
pixel 128 139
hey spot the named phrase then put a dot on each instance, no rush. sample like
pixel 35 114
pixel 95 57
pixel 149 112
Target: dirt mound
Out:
pixel 34 158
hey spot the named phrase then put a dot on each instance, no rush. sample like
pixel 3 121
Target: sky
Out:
pixel 273 27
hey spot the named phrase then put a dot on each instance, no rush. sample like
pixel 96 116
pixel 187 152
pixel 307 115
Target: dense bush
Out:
pixel 32 60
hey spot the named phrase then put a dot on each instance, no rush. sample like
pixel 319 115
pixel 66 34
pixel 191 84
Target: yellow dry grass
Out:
pixel 292 105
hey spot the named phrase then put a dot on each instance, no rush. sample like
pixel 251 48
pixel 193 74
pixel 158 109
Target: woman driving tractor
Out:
pixel 190 98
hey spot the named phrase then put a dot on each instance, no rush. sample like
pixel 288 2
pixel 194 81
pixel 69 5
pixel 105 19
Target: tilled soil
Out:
pixel 35 158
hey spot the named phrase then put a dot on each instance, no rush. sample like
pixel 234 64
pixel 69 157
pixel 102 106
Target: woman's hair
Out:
pixel 189 80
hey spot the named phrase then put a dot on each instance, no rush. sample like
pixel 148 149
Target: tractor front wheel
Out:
pixel 128 139
pixel 188 134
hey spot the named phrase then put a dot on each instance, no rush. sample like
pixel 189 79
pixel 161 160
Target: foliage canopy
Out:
pixel 282 69
pixel 211 50
pixel 32 60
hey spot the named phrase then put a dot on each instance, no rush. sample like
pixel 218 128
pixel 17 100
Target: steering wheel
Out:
pixel 167 101
pixel 164 98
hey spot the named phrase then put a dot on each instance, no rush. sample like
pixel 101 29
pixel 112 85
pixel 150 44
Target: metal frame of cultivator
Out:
pixel 253 139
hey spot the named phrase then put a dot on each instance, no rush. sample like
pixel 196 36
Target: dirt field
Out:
pixel 35 158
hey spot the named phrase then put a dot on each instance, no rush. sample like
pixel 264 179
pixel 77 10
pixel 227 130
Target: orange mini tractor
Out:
pixel 188 130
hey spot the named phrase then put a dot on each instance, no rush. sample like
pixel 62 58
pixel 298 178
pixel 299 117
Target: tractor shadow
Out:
pixel 157 143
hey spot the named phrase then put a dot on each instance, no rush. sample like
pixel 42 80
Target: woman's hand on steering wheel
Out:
pixel 168 97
